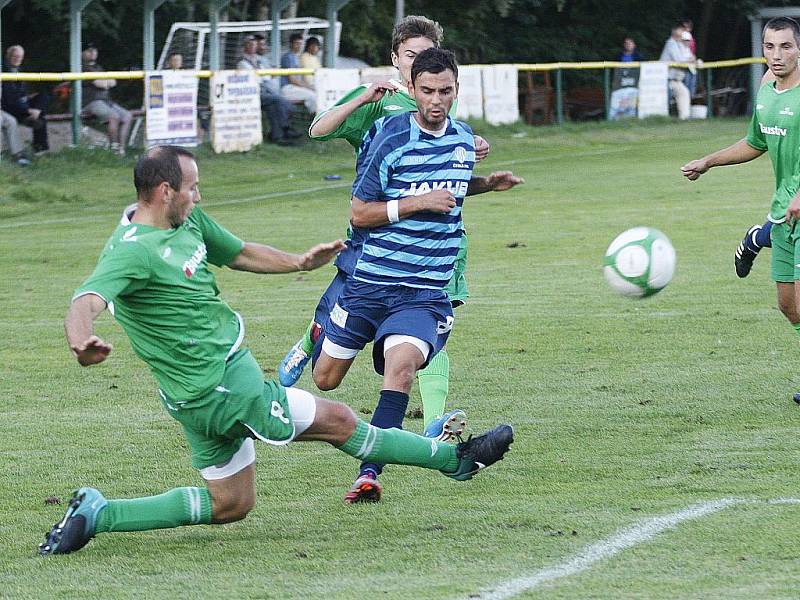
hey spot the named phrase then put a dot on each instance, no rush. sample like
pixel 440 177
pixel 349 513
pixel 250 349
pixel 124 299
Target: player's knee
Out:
pixel 326 380
pixel 401 375
pixel 233 508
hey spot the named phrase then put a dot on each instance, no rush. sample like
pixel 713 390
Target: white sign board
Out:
pixel 332 84
pixel 500 94
pixel 653 100
pixel 235 111
pixel 470 93
pixel 171 107
pixel 373 74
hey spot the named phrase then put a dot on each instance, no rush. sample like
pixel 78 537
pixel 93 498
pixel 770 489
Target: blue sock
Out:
pixel 762 237
pixel 390 412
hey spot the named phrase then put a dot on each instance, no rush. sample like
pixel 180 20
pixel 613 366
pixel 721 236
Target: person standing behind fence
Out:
pixel 675 52
pixel 293 87
pixel 629 51
pixel 28 109
pixel 97 101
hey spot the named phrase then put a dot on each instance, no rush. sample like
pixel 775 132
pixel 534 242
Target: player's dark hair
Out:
pixel 157 165
pixel 414 26
pixel 780 23
pixel 434 60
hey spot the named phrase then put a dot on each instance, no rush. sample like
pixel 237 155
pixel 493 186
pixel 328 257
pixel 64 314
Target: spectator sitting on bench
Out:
pixel 97 101
pixel 28 109
pixel 277 108
pixel 293 87
pixel 175 61
pixel 309 59
pixel 13 143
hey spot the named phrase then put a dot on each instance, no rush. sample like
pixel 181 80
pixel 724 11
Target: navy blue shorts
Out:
pixel 329 298
pixel 366 312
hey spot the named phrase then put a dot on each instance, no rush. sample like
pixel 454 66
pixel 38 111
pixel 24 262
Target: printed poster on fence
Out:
pixel 500 94
pixel 333 84
pixel 653 101
pixel 171 105
pixel 235 111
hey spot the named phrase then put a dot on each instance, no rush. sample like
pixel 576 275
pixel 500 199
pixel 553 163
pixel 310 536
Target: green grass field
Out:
pixel 624 411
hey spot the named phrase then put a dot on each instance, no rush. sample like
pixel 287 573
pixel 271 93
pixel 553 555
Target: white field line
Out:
pixel 99 216
pixel 626 538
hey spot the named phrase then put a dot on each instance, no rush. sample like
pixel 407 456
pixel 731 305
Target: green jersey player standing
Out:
pixel 775 129
pixel 350 119
pixel 154 272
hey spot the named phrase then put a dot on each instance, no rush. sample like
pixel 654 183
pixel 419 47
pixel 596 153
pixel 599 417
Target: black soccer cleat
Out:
pixel 743 257
pixel 77 527
pixel 479 452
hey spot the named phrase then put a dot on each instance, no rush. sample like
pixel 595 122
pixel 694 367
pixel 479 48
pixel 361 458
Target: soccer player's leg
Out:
pixel 434 379
pixel 337 424
pixel 350 326
pixel 785 256
pixel 755 238
pixel 295 361
pixel 221 450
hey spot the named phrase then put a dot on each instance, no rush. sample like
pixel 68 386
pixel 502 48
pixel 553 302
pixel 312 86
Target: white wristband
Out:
pixel 393 211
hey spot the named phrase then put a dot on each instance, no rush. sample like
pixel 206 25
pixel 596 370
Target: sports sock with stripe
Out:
pixel 390 412
pixel 395 446
pixel 178 506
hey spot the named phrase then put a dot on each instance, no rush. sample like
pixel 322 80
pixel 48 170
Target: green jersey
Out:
pixel 159 288
pixel 775 127
pixel 358 123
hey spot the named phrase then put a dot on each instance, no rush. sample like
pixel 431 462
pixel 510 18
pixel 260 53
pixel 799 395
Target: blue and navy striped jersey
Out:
pixel 399 159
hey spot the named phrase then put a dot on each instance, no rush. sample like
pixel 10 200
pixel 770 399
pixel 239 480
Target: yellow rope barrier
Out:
pixel 66 76
pixel 606 64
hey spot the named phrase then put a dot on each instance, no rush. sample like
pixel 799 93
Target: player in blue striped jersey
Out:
pixel 412 175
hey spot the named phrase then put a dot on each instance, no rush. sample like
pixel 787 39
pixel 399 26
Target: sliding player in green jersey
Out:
pixel 775 129
pixel 154 275
pixel 350 119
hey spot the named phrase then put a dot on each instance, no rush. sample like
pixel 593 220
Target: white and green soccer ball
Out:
pixel 639 262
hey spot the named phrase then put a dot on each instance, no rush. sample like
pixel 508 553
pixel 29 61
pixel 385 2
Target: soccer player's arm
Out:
pixel 225 249
pixel 120 270
pixel 499 181
pixel 369 206
pixel 748 148
pixel 346 118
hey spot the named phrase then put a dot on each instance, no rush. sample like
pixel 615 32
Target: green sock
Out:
pixel 434 383
pixel 796 327
pixel 305 342
pixel 178 506
pixel 399 447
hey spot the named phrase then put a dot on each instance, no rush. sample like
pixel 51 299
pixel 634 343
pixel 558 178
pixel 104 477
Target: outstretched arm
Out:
pixel 739 152
pixel 259 258
pixel 499 181
pixel 86 347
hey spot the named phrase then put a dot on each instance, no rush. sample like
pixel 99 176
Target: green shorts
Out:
pixel 457 286
pixel 785 253
pixel 242 406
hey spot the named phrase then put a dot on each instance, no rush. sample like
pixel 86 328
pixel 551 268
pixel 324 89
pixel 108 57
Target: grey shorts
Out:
pixel 105 110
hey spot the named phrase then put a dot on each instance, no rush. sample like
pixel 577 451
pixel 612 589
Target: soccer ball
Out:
pixel 639 262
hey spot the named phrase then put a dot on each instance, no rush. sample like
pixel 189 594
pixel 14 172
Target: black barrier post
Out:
pixel 559 99
pixel 607 91
pixel 709 99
